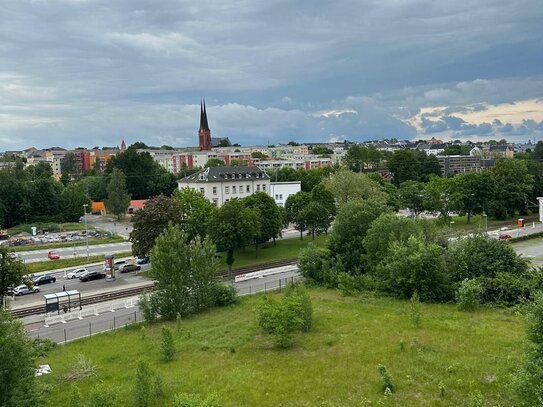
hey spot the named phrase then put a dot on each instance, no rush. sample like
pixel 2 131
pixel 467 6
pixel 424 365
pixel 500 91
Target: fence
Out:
pixel 118 314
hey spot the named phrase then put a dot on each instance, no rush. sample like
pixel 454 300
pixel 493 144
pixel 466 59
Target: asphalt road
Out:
pixel 77 251
pixel 121 279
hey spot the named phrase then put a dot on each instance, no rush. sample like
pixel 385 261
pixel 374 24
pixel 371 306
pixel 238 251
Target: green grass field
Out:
pixel 451 355
pixel 51 226
pixel 47 265
pixel 284 249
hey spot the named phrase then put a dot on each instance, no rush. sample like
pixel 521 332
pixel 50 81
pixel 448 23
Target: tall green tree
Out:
pixel 475 190
pixel 72 199
pixel 196 212
pixel 18 386
pixel 316 218
pixel 43 197
pixel 118 198
pixel 346 185
pixel 69 167
pixel 151 221
pixel 214 162
pixel 324 197
pixel 184 273
pixel 361 158
pixel 538 151
pixel 270 216
pixel 350 228
pixel 513 187
pixel 12 272
pixel 234 225
pixel 441 195
pixel 411 196
pixel 294 207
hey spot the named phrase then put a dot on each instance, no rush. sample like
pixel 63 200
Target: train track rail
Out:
pixel 129 292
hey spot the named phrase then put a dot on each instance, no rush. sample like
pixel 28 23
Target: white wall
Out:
pixel 280 191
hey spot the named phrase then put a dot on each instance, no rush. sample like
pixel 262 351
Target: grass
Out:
pixel 223 352
pixel 48 265
pixel 92 241
pixel 284 249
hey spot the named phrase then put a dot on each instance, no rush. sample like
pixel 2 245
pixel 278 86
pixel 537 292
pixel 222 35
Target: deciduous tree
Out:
pixel 118 198
pixel 346 186
pixel 270 216
pixel 196 212
pixel 12 272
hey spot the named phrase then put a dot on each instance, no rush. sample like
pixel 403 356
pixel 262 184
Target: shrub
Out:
pixel 387 379
pixel 41 347
pixel 346 284
pixel 505 289
pixel 159 387
pixel 313 264
pixel 142 385
pixel 283 318
pixel 414 308
pixel 224 294
pixel 168 345
pixel 468 295
pixel 148 307
pixel 102 396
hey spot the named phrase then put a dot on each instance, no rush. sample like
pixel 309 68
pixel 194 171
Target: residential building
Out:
pixel 457 164
pixel 280 191
pixel 220 184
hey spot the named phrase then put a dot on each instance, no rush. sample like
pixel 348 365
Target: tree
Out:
pixel 142 387
pixel 151 221
pixel 95 187
pixel 413 165
pixel 235 162
pixel 322 150
pixel 118 199
pixel 350 228
pixel 39 170
pixel 294 207
pixel 137 145
pixel 70 167
pixel 259 154
pixel 411 196
pixel 475 189
pixel 72 200
pixel 360 158
pixel 441 195
pixel 314 264
pixel 234 225
pixel 12 272
pixel 389 228
pixel 414 266
pixel 196 212
pixel 43 198
pixel 538 151
pixel 214 162
pixel 316 218
pixel 324 197
pixel 18 385
pixel 346 185
pixel 292 143
pixel 184 273
pixel 270 216
pixel 513 186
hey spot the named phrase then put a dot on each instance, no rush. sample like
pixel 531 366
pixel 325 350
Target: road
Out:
pixel 121 280
pixel 32 256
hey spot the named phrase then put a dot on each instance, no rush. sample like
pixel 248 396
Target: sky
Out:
pixel 85 73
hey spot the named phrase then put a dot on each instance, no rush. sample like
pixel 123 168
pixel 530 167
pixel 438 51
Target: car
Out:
pixel 143 260
pixel 52 255
pixel 118 264
pixel 125 268
pixel 92 275
pixel 504 236
pixel 503 228
pixel 44 279
pixel 76 273
pixel 24 289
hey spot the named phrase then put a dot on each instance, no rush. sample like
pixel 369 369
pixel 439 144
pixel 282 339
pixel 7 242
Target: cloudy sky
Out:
pixel 92 72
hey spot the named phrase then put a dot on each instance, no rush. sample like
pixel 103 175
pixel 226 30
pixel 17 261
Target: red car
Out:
pixel 504 237
pixel 52 255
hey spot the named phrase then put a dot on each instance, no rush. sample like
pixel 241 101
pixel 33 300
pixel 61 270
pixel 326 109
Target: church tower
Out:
pixel 204 134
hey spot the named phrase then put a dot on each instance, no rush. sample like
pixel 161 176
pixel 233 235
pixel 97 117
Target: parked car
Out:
pixel 92 275
pixel 52 255
pixel 118 264
pixel 76 273
pixel 125 268
pixel 143 260
pixel 44 279
pixel 24 289
pixel 504 236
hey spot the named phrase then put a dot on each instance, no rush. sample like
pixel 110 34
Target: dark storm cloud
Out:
pixel 102 70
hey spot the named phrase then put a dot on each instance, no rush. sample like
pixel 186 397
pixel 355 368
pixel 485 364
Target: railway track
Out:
pixel 129 292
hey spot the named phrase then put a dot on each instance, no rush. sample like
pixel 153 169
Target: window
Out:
pixel 215 201
pixel 234 189
pixel 258 187
pixel 226 190
pixel 276 196
pixel 202 190
pixel 281 196
pixel 263 187
pixel 214 190
pixel 248 189
pixel 241 189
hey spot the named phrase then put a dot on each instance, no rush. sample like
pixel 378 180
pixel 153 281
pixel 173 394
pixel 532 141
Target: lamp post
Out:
pixel 450 227
pixel 86 229
pixel 486 222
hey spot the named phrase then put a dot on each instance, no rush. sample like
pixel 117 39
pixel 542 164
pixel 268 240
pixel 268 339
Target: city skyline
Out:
pixel 92 73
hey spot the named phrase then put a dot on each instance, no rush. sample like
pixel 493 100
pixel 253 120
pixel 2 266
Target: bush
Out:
pixel 41 347
pixel 387 379
pixel 283 318
pixel 147 305
pixel 468 294
pixel 102 396
pixel 505 289
pixel 313 264
pixel 224 294
pixel 168 345
pixel 142 385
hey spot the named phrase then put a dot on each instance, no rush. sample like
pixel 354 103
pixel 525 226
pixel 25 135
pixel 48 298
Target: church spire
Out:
pixel 204 134
pixel 203 116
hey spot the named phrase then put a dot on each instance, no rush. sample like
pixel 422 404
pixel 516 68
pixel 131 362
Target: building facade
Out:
pixel 280 191
pixel 220 184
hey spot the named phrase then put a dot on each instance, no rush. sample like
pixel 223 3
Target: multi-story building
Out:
pixel 54 157
pixel 280 191
pixel 457 164
pixel 220 184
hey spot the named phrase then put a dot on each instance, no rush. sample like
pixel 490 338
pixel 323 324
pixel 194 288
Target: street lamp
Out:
pixel 450 227
pixel 86 229
pixel 486 222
